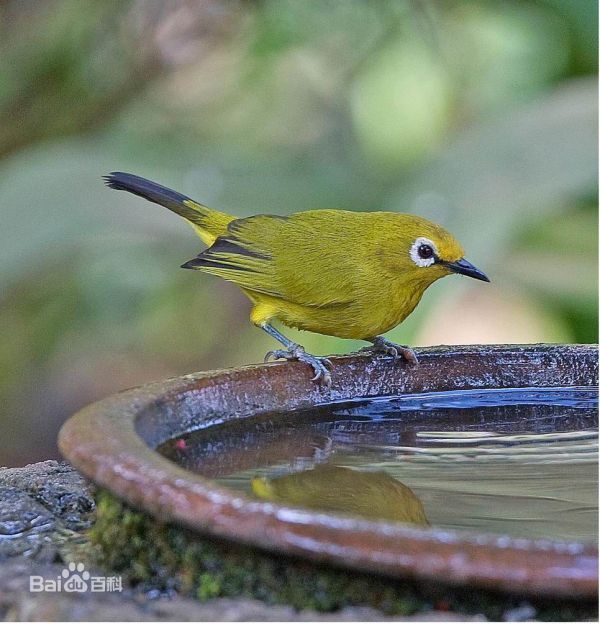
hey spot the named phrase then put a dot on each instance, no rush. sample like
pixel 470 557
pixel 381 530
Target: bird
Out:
pixel 353 275
pixel 375 495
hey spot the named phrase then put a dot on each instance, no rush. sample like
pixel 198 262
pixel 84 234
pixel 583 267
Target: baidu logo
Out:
pixel 75 578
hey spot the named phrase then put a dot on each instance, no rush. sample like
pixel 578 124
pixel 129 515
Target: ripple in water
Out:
pixel 518 461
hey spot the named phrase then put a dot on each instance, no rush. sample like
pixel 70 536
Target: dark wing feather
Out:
pixel 245 254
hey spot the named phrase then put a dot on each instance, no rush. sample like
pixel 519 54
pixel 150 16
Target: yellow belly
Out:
pixel 358 320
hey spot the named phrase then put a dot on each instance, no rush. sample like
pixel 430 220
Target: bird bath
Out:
pixel 216 430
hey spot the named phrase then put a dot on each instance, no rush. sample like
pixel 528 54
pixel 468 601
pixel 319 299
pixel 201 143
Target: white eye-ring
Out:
pixel 423 252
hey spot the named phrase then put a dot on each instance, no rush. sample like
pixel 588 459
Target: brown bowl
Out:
pixel 113 442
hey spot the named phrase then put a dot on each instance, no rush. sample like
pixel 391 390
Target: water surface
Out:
pixel 520 461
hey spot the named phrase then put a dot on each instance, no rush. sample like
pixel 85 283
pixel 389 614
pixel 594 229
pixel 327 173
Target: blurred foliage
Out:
pixel 478 114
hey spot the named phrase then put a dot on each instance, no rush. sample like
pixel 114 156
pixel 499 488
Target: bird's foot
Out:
pixel 320 365
pixel 381 345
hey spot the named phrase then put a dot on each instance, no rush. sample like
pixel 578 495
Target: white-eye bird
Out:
pixel 347 274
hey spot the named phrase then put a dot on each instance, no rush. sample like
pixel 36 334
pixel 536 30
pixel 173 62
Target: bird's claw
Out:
pixel 321 366
pixel 276 354
pixel 381 345
pixel 384 349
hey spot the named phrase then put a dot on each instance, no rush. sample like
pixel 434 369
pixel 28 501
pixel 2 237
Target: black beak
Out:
pixel 464 267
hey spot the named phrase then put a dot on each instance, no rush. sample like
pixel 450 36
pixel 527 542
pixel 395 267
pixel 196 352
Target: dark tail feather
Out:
pixel 155 193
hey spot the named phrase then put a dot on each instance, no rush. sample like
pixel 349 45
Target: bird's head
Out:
pixel 429 252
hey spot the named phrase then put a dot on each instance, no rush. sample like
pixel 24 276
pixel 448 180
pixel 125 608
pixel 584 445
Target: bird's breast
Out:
pixel 370 312
pixel 390 307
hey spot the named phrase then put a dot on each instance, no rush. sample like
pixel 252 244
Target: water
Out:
pixel 521 461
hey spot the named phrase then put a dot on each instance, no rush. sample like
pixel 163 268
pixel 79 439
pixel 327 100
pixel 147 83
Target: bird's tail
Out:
pixel 208 224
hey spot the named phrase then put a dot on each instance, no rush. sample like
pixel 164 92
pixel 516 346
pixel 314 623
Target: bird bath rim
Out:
pixel 112 442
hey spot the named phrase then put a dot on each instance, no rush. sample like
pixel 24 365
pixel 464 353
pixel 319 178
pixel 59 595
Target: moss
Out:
pixel 155 555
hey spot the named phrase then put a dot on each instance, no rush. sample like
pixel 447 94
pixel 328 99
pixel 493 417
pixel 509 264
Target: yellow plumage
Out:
pixel 372 495
pixel 326 271
pixel 346 274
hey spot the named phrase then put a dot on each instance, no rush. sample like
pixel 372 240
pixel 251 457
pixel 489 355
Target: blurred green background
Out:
pixel 478 114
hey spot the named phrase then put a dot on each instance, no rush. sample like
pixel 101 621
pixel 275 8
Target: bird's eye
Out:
pixel 425 252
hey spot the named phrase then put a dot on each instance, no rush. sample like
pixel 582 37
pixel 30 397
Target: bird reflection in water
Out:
pixel 371 495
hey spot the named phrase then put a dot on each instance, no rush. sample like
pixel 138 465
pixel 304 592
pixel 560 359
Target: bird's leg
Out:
pixel 293 351
pixel 382 345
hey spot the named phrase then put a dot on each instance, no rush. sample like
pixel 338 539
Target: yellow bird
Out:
pixel 347 274
pixel 374 495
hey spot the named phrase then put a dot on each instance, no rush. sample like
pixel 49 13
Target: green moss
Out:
pixel 164 556
pixel 167 557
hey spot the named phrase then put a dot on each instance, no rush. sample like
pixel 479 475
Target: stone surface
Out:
pixel 42 507
pixel 44 510
pixel 25 526
pixel 56 486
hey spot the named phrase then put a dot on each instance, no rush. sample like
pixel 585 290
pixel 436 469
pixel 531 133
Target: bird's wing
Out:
pixel 245 254
pixel 305 259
